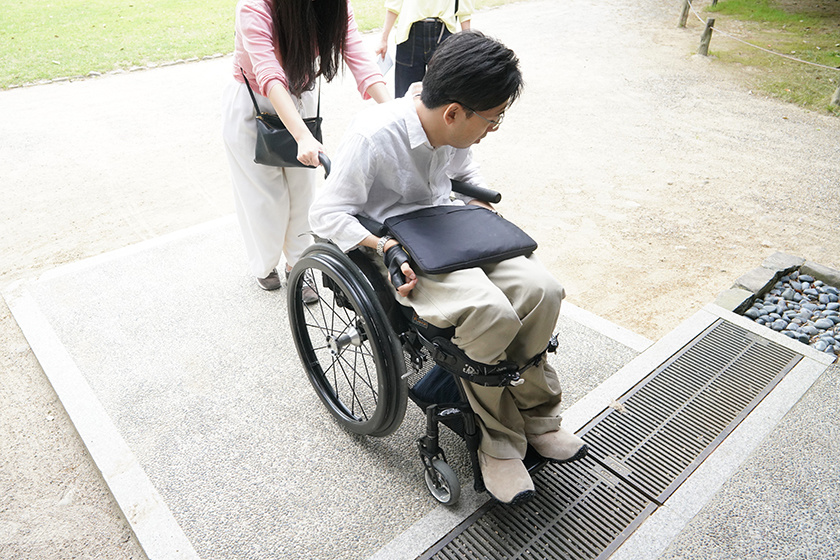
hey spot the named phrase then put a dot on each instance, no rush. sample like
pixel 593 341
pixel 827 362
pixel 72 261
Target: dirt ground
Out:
pixel 651 177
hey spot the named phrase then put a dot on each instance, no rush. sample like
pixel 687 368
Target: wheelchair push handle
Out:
pixel 325 161
pixel 481 193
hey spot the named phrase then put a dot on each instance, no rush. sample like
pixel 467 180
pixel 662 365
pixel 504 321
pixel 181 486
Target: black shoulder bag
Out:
pixel 275 144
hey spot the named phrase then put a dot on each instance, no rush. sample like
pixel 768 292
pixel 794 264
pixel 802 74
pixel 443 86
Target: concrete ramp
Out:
pixel 181 377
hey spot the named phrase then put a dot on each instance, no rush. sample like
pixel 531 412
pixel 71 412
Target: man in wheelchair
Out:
pixel 399 157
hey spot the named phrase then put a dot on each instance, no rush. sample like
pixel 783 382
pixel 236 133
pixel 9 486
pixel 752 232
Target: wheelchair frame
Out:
pixel 363 353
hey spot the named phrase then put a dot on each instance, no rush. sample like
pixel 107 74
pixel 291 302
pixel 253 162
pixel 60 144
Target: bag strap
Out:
pixel 318 113
pixel 250 91
pixel 254 99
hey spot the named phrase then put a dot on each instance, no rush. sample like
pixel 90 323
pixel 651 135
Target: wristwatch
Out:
pixel 380 246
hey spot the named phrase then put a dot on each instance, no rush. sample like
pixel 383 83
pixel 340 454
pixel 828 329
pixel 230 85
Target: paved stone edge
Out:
pixel 605 327
pixel 94 74
pixel 151 520
pixel 755 283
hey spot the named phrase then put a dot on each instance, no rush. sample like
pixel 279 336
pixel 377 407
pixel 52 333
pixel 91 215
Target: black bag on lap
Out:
pixel 444 239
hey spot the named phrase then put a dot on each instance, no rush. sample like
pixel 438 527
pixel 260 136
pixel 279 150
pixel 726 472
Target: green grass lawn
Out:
pixel 807 30
pixel 73 37
pixel 70 38
pixel 66 38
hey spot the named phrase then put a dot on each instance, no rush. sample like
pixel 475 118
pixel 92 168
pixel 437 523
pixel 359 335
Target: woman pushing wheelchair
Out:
pixel 400 157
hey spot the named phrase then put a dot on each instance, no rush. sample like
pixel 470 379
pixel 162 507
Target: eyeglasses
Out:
pixel 494 125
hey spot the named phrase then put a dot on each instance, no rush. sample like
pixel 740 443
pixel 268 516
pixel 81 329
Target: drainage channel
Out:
pixel 642 449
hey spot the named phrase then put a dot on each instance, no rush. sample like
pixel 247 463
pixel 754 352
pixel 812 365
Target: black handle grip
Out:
pixel 487 195
pixel 325 161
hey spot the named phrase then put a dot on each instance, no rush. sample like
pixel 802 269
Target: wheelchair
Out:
pixel 366 355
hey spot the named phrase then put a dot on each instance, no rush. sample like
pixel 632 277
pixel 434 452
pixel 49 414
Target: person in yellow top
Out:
pixel 423 25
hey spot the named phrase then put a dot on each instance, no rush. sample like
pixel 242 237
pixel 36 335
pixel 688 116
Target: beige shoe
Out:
pixel 507 480
pixel 561 446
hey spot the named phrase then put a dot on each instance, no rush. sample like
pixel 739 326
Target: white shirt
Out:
pixel 385 167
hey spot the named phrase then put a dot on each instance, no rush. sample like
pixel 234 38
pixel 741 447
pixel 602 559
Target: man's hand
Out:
pixel 483 204
pixel 399 270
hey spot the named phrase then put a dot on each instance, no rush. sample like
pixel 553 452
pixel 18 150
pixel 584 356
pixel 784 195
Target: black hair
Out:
pixel 310 32
pixel 474 70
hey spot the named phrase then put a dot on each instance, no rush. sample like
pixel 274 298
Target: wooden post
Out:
pixel 835 99
pixel 684 15
pixel 706 38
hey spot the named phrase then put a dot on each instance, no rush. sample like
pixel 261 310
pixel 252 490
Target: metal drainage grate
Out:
pixel 642 449
pixel 673 419
pixel 580 511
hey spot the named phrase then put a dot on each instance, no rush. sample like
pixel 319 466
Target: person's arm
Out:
pixel 462 167
pixel 465 11
pixel 390 18
pixel 358 58
pixel 345 194
pixel 256 31
pixel 308 146
pixel 379 92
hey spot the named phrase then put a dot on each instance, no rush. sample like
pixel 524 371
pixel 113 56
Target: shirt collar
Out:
pixel 416 134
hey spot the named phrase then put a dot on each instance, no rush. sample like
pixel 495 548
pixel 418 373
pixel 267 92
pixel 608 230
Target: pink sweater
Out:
pixel 255 50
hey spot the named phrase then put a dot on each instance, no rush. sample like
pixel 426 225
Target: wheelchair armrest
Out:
pixel 487 195
pixel 376 228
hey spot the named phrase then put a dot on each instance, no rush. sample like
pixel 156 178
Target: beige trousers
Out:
pixel 503 311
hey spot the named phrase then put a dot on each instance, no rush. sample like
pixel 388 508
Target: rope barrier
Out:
pixel 691 7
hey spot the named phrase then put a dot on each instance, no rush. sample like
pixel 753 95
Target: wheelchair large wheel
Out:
pixel 351 354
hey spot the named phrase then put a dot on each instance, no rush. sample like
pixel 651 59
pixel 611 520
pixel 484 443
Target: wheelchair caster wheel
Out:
pixel 442 482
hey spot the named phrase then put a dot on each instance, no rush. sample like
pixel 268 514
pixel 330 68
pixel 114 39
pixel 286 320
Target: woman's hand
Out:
pixel 284 105
pixel 308 150
pixel 383 47
pixel 483 204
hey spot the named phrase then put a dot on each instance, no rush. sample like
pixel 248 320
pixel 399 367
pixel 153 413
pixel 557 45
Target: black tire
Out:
pixel 443 485
pixel 351 354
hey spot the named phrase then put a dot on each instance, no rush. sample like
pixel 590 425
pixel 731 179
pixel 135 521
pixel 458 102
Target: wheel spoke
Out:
pixel 341 367
pixel 356 355
pixel 345 345
pixel 354 397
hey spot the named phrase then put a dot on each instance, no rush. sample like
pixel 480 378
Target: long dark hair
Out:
pixel 311 35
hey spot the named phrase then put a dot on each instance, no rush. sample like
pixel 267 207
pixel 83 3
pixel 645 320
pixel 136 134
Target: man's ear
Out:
pixel 450 112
